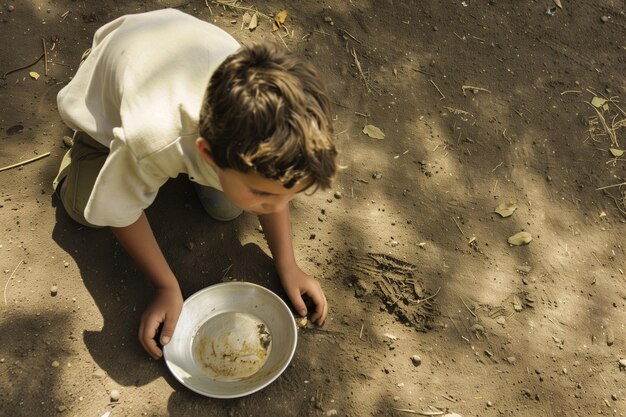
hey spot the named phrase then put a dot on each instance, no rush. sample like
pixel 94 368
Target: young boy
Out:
pixel 162 94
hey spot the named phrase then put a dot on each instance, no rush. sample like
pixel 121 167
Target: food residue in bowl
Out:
pixel 232 346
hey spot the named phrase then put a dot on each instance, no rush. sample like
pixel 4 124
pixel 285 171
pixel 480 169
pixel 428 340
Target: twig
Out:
pixel 233 5
pixel 348 33
pixel 361 332
pixel 571 92
pixel 421 71
pixel 468 309
pixel 423 300
pixel 608 130
pixel 448 398
pixel 361 114
pixel 9 280
pixel 358 65
pixel 45 57
pixel 433 83
pixel 497 166
pixel 420 413
pixel 28 161
pixel 611 186
pixel 457 225
pixel 473 89
pixel 21 68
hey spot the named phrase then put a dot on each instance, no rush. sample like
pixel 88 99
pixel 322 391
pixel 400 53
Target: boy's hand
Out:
pixel 297 283
pixel 165 308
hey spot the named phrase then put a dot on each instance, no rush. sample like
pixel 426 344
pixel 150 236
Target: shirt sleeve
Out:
pixel 124 188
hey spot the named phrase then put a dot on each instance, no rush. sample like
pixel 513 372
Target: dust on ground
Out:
pixel 480 103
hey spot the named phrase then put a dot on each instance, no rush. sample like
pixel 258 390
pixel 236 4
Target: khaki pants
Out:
pixel 77 175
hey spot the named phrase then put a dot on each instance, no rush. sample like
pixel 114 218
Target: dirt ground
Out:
pixel 432 311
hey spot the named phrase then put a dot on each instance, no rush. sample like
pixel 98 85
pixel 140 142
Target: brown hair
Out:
pixel 266 110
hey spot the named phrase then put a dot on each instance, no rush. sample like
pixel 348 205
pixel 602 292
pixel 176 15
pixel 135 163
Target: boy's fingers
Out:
pixel 146 337
pixel 321 308
pixel 168 329
pixel 298 302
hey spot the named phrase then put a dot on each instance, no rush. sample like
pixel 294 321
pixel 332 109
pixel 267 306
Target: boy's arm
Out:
pixel 277 230
pixel 139 242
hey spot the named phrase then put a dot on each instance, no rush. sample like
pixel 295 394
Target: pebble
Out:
pixel 301 322
pixel 417 361
pixel 489 404
pixel 115 395
pixel 501 320
pixel 189 245
pixel 511 360
pixel 332 412
pixel 622 364
pixel 61 408
pixel 11 8
pixel 55 364
pixel 610 337
pixel 329 20
pixel 99 373
pixel 477 328
pixel 338 195
pixel 604 19
pixel 66 264
pixel 614 397
pixel 53 290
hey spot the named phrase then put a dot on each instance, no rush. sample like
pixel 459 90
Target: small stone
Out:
pixel 11 8
pixel 66 264
pixel 332 412
pixel 604 19
pixel 610 337
pixel 377 175
pixel 68 141
pixel 417 361
pixel 511 360
pixel 55 364
pixel 501 320
pixel 189 245
pixel 614 397
pixel 489 404
pixel 622 364
pixel 301 322
pixel 54 290
pixel 338 195
pixel 115 395
pixel 477 328
pixel 99 373
pixel 61 408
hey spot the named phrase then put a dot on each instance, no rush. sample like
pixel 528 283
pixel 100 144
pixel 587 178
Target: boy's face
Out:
pixel 250 191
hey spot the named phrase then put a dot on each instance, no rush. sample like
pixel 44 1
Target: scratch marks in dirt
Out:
pixel 396 284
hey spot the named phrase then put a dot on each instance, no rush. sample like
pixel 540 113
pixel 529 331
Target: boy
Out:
pixel 163 93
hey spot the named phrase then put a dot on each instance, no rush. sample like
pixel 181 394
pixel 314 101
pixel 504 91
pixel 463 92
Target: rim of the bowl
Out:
pixel 278 373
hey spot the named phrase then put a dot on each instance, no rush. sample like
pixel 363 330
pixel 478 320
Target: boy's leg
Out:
pixel 216 203
pixel 77 175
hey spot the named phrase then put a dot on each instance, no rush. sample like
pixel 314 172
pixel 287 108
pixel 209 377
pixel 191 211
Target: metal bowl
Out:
pixel 231 340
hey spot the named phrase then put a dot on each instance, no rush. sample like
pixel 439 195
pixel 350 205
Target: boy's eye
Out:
pixel 259 193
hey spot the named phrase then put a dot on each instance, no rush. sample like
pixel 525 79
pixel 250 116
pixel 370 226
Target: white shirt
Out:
pixel 139 93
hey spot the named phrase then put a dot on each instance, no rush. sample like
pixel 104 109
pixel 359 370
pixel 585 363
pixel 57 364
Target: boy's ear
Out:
pixel 205 150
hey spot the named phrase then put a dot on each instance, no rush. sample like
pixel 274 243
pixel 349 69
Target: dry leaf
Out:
pixel 598 102
pixel 521 238
pixel 505 209
pixel 558 3
pixel 34 75
pixel 373 132
pixel 254 22
pixel 616 152
pixel 246 20
pixel 279 19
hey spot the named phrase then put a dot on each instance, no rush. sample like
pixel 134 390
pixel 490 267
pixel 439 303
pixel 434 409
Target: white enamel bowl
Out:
pixel 231 340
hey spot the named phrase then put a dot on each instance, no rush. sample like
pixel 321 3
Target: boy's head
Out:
pixel 267 112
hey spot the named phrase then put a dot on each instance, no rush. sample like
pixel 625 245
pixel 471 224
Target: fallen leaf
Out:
pixel 34 75
pixel 279 19
pixel 373 132
pixel 246 20
pixel 505 209
pixel 598 102
pixel 254 22
pixel 558 3
pixel 616 152
pixel 521 238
